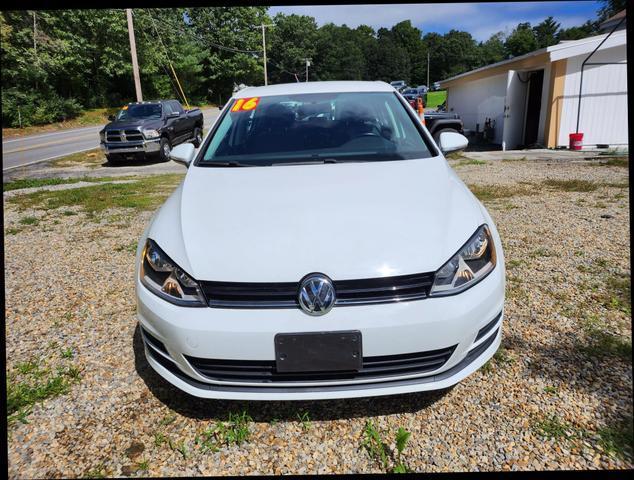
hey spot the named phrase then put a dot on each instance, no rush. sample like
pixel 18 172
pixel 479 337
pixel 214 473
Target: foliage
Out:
pixel 379 451
pixel 58 62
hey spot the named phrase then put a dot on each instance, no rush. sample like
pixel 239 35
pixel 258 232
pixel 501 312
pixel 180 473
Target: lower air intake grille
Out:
pixel 373 367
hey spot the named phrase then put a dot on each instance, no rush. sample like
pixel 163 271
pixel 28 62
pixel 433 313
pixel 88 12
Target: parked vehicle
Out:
pixel 142 129
pixel 435 86
pixel 437 122
pixel 422 89
pixel 320 246
pixel 399 84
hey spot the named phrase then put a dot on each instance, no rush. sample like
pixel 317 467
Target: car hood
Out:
pixel 348 221
pixel 134 123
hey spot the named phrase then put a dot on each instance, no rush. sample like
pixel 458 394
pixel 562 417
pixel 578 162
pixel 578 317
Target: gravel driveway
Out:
pixel 558 395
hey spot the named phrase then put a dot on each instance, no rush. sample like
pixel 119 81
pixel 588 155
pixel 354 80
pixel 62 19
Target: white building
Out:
pixel 534 98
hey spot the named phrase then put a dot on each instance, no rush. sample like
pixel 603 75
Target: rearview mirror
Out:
pixel 183 153
pixel 452 141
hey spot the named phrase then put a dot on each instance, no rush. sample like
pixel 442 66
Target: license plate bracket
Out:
pixel 318 352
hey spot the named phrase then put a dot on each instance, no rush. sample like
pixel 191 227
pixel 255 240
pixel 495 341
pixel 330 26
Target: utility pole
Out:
pixel 307 65
pixel 263 26
pixel 34 34
pixel 135 63
pixel 427 68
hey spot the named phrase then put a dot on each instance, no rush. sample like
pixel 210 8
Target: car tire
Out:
pixel 436 135
pixel 113 159
pixel 198 137
pixel 165 149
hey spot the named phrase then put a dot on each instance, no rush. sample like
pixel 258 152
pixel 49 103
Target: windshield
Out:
pixel 148 110
pixel 318 127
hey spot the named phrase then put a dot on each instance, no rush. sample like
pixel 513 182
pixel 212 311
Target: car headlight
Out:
pixel 151 133
pixel 467 267
pixel 167 280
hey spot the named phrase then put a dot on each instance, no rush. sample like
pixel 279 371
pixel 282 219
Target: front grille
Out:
pixel 349 292
pixel 264 371
pixel 119 135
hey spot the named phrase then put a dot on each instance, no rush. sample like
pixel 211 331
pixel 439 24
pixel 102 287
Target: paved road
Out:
pixel 18 152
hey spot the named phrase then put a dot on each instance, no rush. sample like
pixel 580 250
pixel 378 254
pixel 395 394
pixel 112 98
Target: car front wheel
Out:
pixel 165 149
pixel 198 137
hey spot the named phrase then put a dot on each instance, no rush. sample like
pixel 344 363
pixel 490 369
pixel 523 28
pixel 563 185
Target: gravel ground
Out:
pixel 69 285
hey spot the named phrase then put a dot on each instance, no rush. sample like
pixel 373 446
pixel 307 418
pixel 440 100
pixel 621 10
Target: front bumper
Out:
pixel 140 146
pixel 431 324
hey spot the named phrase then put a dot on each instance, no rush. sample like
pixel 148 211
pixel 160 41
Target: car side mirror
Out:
pixel 220 106
pixel 111 118
pixel 183 153
pixel 452 141
pixel 174 115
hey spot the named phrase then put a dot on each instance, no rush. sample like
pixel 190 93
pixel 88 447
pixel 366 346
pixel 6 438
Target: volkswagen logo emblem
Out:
pixel 316 294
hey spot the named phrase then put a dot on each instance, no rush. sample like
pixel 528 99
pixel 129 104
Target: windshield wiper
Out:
pixel 226 164
pixel 313 161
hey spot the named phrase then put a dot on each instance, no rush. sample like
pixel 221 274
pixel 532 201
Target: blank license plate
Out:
pixel 318 351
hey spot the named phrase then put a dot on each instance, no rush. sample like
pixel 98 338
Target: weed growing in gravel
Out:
pixel 511 264
pixel 551 390
pixel 378 450
pixel 619 293
pixel 304 419
pixel 553 427
pixel 68 213
pixel 234 431
pixel 144 465
pixel 501 358
pixel 96 472
pixel 29 221
pixel 602 343
pixel 130 247
pixel 167 419
pixel 67 353
pixel 618 439
pixel 31 383
pixel 159 439
pixel 470 161
pixel 180 448
pixel 575 185
pixel 13 231
pixel 493 192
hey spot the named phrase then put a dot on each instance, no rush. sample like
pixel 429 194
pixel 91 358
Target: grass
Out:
pixel 433 99
pixel 29 221
pixel 571 185
pixel 501 358
pixel 602 343
pixel 96 472
pixel 145 193
pixel 378 450
pixel 90 158
pixel 553 427
pixel 618 439
pixel 515 263
pixel 30 383
pixel 551 390
pixel 67 353
pixel 494 192
pixel 130 247
pixel 304 419
pixel 46 182
pixel 619 293
pixel 470 161
pixel 234 431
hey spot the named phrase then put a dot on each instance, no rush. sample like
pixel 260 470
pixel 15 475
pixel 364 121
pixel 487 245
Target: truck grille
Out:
pixel 349 292
pixel 124 136
pixel 373 367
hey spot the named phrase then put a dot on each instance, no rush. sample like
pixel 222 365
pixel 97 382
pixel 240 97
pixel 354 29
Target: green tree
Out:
pixel 410 38
pixel 610 8
pixel 289 43
pixel 522 40
pixel 492 51
pixel 546 32
pixel 338 56
pixel 587 29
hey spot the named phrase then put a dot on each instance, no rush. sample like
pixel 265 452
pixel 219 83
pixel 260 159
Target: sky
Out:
pixel 478 18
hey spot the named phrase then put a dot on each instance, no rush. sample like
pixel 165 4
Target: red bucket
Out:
pixel 576 140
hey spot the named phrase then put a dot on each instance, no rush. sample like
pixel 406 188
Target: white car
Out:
pixel 319 246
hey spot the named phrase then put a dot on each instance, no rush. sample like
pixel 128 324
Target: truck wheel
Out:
pixel 113 159
pixel 436 135
pixel 198 137
pixel 165 149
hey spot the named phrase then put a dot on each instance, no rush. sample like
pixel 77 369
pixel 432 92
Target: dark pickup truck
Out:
pixel 143 129
pixel 438 122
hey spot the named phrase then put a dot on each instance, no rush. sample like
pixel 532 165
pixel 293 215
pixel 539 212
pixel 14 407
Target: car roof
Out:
pixel 314 87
